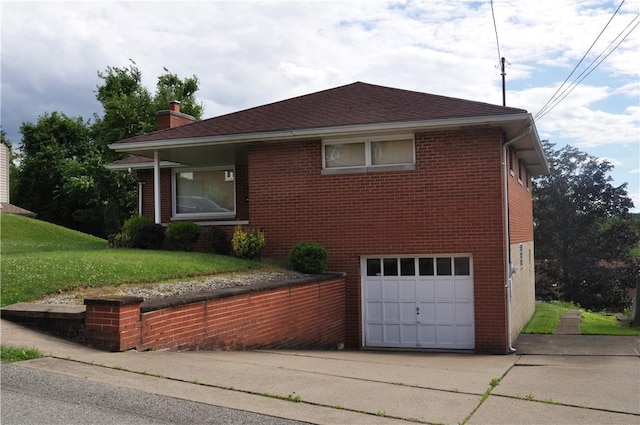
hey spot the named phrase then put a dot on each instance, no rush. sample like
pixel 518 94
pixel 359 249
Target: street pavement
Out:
pixel 569 384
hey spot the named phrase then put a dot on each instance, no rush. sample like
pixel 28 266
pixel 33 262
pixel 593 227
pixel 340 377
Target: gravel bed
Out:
pixel 163 290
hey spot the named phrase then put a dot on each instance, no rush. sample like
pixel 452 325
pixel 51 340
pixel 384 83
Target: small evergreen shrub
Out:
pixel 149 236
pixel 308 257
pixel 247 244
pixel 138 232
pixel 220 243
pixel 183 235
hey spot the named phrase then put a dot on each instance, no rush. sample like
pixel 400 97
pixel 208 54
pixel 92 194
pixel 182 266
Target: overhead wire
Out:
pixel 495 28
pixel 552 100
pixel 584 74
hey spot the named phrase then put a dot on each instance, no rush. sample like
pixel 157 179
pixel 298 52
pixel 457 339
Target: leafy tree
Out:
pixel 62 174
pixel 583 231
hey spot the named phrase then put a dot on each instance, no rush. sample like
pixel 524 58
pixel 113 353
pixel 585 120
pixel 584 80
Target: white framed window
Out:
pixel 204 192
pixel 361 154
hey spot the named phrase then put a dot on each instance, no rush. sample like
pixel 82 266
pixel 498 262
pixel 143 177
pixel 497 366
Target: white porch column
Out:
pixel 156 187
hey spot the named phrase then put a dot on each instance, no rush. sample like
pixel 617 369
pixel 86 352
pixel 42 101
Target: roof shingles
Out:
pixel 354 104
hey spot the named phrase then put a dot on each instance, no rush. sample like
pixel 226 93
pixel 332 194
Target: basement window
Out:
pixel 368 154
pixel 204 193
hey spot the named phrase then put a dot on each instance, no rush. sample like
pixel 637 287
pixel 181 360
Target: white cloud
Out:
pixel 247 53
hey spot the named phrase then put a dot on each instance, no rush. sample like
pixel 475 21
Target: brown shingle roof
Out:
pixel 353 104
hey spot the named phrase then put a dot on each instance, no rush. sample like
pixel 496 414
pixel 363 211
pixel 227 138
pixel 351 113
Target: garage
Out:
pixel 418 302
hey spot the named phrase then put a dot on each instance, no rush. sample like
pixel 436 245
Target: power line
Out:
pixel 495 28
pixel 552 103
pixel 544 110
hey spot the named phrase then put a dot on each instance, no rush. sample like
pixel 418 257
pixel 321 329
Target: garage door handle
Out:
pixel 418 311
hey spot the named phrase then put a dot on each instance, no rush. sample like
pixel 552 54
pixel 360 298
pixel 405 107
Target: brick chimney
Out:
pixel 172 117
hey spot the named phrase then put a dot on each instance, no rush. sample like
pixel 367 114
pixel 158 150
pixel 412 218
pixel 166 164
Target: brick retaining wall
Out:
pixel 302 313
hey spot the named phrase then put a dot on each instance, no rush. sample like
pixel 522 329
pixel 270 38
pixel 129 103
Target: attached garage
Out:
pixel 418 302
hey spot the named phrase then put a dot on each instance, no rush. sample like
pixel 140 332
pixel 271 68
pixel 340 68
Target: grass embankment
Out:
pixel 546 317
pixel 39 259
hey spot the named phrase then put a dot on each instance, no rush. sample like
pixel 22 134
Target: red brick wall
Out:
pixel 301 315
pixel 451 203
pixel 520 204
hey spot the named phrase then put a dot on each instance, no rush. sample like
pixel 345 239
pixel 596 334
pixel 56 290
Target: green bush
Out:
pixel 138 232
pixel 247 243
pixel 220 243
pixel 149 236
pixel 183 235
pixel 308 257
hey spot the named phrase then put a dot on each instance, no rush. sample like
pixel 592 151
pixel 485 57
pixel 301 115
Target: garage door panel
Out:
pixel 445 334
pixel 426 289
pixel 427 334
pixel 427 312
pixel 392 334
pixel 408 312
pixel 445 312
pixel 373 289
pixel 375 332
pixel 391 312
pixel 444 290
pixel 374 311
pixel 407 290
pixel 433 308
pixel 410 334
pixel 390 290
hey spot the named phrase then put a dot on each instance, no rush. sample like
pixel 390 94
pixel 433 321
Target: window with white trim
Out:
pixel 368 152
pixel 204 192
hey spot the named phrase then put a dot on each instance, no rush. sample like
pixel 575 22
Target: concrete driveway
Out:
pixel 366 387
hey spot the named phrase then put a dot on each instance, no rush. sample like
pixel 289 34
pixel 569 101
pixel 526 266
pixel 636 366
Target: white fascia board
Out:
pixel 142 166
pixel 492 120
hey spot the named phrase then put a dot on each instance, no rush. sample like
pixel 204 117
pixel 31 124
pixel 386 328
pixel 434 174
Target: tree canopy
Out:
pixel 61 172
pixel 583 231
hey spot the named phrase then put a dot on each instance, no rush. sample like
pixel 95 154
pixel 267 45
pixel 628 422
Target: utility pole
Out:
pixel 504 91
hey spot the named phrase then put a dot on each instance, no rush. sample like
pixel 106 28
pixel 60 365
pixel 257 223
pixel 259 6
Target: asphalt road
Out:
pixel 30 396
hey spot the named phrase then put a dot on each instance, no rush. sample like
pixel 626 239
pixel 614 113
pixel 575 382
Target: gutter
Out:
pixel 508 267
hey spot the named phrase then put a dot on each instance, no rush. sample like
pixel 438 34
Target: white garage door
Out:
pixel 418 302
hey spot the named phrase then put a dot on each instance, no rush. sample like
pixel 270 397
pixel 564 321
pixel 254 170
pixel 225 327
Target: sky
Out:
pixel 249 53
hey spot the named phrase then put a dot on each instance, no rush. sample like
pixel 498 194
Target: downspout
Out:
pixel 156 187
pixel 508 268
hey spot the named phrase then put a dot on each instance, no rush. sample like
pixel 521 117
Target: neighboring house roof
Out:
pixel 6 208
pixel 341 111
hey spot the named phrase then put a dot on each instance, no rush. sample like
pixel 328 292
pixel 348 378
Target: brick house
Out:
pixel 424 201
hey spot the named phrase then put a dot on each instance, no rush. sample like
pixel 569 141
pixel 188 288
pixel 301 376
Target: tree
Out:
pixel 62 174
pixel 583 231
pixel 51 165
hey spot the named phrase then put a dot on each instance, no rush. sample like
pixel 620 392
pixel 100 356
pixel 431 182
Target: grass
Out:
pixel 601 324
pixel 39 259
pixel 546 317
pixel 10 354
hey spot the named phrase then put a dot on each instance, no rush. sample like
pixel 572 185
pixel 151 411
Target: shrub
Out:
pixel 308 257
pixel 183 235
pixel 138 232
pixel 149 236
pixel 220 243
pixel 247 243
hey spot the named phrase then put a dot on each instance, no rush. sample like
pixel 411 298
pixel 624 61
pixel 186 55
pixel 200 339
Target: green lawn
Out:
pixel 546 317
pixel 38 259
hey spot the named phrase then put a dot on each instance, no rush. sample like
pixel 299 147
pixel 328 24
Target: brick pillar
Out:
pixel 113 322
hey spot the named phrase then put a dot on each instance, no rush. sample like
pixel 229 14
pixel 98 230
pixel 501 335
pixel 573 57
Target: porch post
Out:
pixel 156 187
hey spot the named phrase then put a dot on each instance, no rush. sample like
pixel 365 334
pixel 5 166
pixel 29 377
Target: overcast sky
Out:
pixel 248 53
